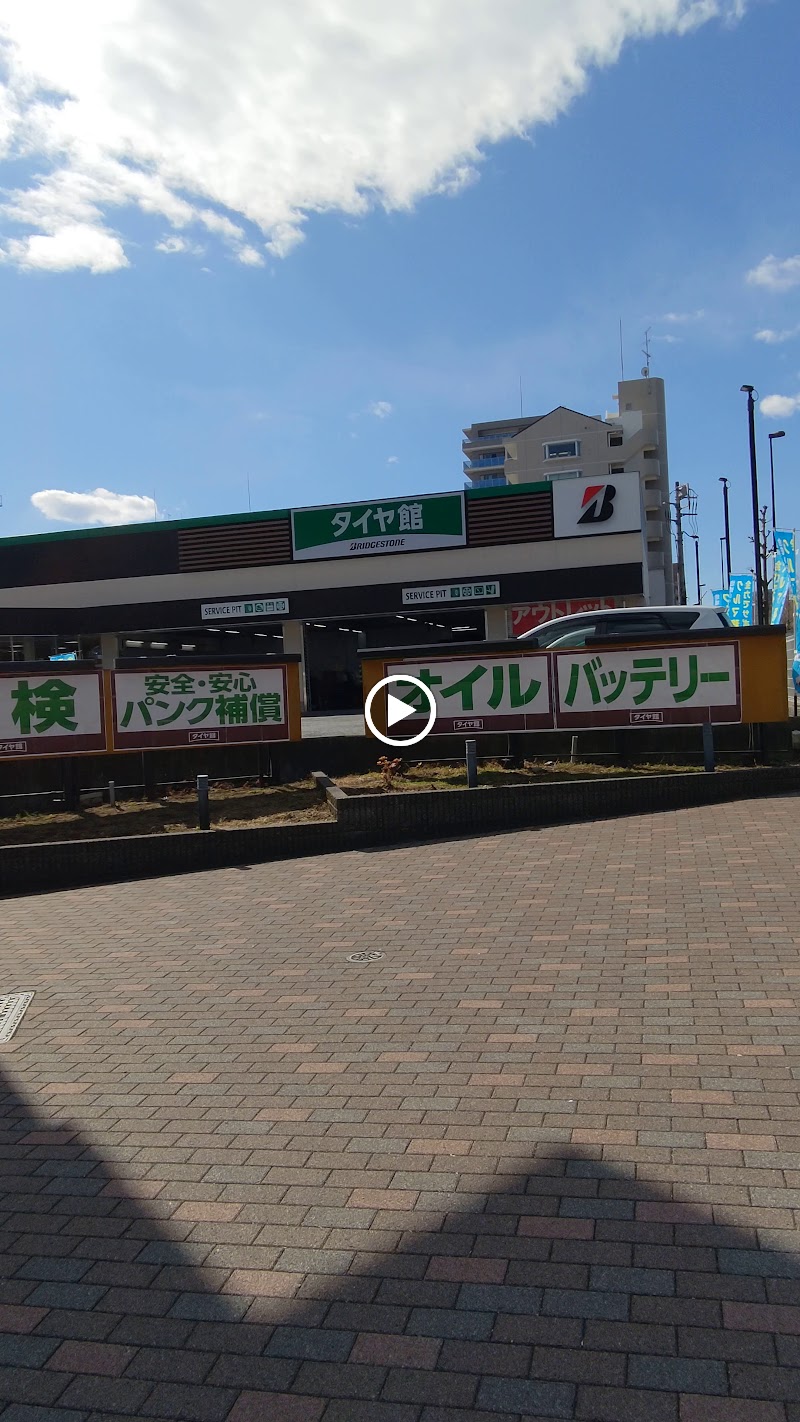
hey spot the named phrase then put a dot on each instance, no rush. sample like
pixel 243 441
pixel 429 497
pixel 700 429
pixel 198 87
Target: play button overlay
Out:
pixel 397 710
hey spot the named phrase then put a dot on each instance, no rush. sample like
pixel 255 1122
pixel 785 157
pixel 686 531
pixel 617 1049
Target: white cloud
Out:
pixel 245 118
pixel 250 256
pixel 777 338
pixel 178 244
pixel 380 409
pixel 682 318
pixel 776 273
pixel 393 459
pixel 98 506
pixel 67 249
pixel 780 407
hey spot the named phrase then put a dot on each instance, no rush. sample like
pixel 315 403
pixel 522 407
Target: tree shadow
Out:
pixel 565 1286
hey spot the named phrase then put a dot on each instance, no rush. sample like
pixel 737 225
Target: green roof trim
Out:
pixel 502 492
pixel 167 526
pixel 219 520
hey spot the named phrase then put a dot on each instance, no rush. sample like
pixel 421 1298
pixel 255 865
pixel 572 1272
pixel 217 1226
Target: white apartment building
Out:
pixel 565 444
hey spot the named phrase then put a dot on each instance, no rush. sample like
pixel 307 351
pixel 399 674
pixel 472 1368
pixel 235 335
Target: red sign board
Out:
pixel 533 614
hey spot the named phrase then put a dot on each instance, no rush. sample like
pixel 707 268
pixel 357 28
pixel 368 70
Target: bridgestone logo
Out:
pixel 376 545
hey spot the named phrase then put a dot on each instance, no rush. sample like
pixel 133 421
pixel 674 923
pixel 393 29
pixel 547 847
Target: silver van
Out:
pixel 572 631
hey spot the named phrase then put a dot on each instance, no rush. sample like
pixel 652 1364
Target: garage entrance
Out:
pixel 333 669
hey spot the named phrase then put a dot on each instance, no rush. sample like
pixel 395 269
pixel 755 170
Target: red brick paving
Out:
pixel 542 1160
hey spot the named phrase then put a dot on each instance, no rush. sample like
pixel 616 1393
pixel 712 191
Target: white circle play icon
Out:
pixel 397 710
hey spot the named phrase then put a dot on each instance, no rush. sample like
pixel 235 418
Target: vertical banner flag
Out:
pixel 784 575
pixel 780 591
pixel 740 600
pixel 719 597
pixel 785 553
pixel 796 662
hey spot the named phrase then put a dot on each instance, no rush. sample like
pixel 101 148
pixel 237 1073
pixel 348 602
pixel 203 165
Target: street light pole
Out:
pixel 748 390
pixel 726 513
pixel 722 559
pixel 778 434
pixel 697 564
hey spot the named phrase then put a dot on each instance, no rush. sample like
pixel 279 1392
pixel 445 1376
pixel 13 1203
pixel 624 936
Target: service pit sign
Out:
pixel 48 714
pixel 651 686
pixel 171 707
pixel 479 694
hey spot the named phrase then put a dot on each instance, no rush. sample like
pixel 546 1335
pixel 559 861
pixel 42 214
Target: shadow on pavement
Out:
pixel 567 1289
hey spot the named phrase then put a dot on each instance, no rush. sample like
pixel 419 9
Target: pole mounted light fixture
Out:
pixel 750 391
pixel 776 434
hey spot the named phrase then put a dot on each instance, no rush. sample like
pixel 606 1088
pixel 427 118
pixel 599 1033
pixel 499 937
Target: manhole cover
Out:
pixel 363 957
pixel 13 1006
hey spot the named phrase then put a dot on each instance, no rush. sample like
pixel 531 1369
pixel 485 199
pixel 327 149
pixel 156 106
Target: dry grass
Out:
pixel 454 777
pixel 232 807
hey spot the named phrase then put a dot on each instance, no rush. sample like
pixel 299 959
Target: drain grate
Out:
pixel 364 957
pixel 13 1006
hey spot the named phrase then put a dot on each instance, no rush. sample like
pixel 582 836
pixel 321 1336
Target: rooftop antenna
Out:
pixel 621 353
pixel 520 397
pixel 646 353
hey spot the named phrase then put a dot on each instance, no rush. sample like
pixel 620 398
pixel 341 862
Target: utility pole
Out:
pixel 762 558
pixel 726 515
pixel 683 494
pixel 681 588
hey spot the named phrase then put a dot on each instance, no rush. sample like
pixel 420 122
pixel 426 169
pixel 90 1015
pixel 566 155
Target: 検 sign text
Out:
pixel 46 714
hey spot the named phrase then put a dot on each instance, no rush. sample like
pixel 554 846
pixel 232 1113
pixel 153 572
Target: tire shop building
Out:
pixel 327 582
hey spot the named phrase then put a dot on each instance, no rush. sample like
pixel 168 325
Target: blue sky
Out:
pixel 346 367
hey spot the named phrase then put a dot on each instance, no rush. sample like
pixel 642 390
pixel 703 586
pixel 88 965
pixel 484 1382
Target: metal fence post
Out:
pixel 472 764
pixel 203 813
pixel 708 746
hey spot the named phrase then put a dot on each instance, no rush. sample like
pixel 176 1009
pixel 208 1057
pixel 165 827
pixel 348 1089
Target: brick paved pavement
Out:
pixel 540 1161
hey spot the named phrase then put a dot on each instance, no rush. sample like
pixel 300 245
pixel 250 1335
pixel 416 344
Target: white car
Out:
pixel 572 631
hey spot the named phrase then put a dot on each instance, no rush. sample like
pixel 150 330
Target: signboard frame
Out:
pixel 226 608
pixel 27 746
pixel 192 738
pixel 471 720
pixel 400 527
pixel 666 671
pixel 451 594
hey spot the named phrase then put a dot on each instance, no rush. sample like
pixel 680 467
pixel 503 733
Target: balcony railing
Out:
pixel 488 481
pixel 492 438
pixel 484 461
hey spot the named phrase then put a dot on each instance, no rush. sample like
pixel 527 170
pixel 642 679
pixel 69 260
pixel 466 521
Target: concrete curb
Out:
pixel 365 821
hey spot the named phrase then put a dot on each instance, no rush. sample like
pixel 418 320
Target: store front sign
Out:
pixel 653 686
pixel 382 526
pixel 249 607
pixel 575 690
pixel 481 693
pixel 199 706
pixel 51 714
pixel 582 507
pixel 451 592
